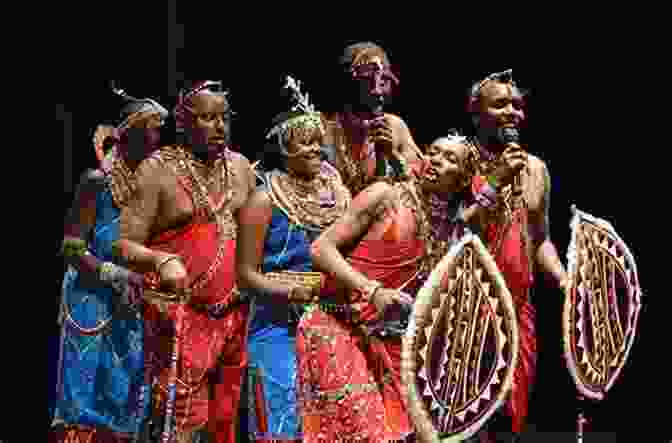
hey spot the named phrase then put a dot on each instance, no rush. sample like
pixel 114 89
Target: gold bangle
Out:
pixel 166 260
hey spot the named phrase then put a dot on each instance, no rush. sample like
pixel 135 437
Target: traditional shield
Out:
pixel 602 305
pixel 461 345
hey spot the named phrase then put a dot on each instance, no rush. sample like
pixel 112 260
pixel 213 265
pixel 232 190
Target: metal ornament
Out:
pixel 461 345
pixel 602 305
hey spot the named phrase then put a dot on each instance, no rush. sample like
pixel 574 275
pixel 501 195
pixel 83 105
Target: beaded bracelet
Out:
pixel 74 248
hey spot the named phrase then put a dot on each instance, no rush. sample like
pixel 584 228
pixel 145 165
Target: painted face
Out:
pixel 374 81
pixel 501 106
pixel 211 122
pixel 305 158
pixel 446 166
pixel 142 136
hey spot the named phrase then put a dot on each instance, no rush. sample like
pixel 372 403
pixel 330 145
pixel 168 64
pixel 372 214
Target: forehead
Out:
pixel 494 91
pixel 203 103
pixel 449 147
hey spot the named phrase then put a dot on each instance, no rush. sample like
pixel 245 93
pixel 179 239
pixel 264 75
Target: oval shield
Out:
pixel 461 345
pixel 602 305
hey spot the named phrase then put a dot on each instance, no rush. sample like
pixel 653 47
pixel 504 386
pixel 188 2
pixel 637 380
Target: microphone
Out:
pixel 507 137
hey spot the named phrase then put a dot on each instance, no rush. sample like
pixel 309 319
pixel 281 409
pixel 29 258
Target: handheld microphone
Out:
pixel 509 136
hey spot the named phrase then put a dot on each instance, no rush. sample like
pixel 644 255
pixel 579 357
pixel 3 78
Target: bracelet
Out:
pixel 166 260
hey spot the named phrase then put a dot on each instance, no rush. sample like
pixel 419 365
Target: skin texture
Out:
pixel 255 218
pixel 161 203
pixel 211 128
pixel 81 216
pixel 388 132
pixel 501 106
pixel 372 213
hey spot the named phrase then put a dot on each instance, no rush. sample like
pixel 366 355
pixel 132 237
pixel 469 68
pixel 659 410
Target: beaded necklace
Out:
pixel 510 208
pixel 318 202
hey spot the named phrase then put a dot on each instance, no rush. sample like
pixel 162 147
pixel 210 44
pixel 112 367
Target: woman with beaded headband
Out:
pixel 379 252
pixel 102 392
pixel 279 223
pixel 367 142
pixel 514 189
pixel 179 229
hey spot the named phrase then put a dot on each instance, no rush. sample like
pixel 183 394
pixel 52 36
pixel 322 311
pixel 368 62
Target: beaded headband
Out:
pixel 503 77
pixel 136 106
pixel 307 119
pixel 182 110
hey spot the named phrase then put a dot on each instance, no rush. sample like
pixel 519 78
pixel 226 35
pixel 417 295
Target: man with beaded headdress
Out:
pixel 366 142
pixel 102 391
pixel 279 222
pixel 514 189
pixel 378 254
pixel 179 229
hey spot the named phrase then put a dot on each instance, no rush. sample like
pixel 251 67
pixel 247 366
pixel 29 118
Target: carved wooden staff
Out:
pixel 599 319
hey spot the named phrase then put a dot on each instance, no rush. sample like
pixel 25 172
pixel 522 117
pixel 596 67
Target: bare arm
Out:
pixel 407 146
pixel 546 253
pixel 254 219
pixel 138 218
pixel 80 220
pixel 369 206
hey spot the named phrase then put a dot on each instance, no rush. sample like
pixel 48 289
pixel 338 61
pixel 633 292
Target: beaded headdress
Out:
pixel 475 91
pixel 302 116
pixel 132 107
pixel 184 105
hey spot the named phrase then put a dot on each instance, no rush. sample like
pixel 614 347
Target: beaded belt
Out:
pixel 164 299
pixel 307 279
pixel 338 394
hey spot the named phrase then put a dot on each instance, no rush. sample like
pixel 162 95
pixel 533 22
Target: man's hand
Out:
pixel 173 276
pixel 384 298
pixel 512 161
pixel 381 134
pixel 303 294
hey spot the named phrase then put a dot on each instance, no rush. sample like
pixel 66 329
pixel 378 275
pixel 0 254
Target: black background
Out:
pixel 584 119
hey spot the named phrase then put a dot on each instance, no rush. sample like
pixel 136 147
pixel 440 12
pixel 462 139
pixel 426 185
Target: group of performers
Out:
pixel 197 281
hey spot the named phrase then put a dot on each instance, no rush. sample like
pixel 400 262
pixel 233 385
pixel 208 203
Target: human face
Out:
pixel 305 157
pixel 446 166
pixel 143 136
pixel 501 106
pixel 211 128
pixel 373 83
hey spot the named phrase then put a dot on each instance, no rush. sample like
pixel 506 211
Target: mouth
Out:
pixel 217 140
pixel 431 175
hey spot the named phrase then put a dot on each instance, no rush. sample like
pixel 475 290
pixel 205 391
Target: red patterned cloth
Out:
pixel 513 263
pixel 350 385
pixel 85 434
pixel 212 352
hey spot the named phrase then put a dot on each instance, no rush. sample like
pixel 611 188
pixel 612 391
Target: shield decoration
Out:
pixel 601 307
pixel 461 346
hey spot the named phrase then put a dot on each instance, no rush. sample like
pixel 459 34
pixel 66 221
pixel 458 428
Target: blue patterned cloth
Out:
pixel 101 370
pixel 272 335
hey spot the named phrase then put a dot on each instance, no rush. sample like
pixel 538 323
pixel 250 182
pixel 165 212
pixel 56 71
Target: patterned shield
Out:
pixel 461 346
pixel 602 305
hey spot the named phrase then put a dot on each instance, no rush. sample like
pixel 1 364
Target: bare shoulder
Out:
pixel 536 165
pixel 373 195
pixel 396 121
pixel 238 160
pixel 260 199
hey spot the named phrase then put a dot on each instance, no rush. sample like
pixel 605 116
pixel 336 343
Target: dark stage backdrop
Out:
pixel 578 123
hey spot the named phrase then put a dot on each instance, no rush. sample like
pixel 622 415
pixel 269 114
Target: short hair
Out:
pixel 355 52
